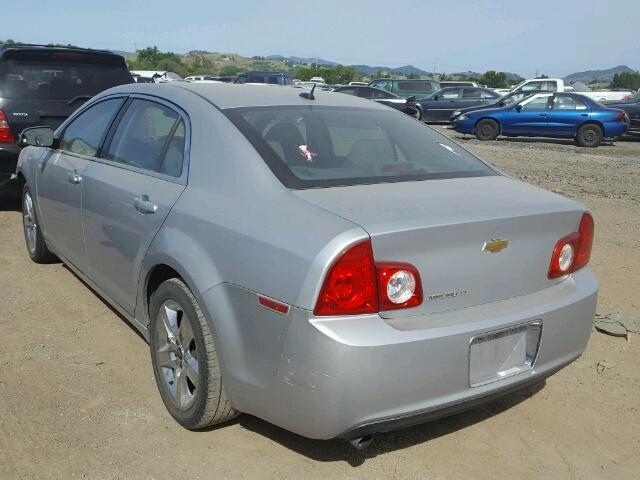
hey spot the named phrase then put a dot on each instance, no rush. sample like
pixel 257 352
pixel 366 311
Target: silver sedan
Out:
pixel 317 260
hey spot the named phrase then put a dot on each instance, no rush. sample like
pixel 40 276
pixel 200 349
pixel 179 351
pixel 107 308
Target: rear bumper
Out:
pixel 349 376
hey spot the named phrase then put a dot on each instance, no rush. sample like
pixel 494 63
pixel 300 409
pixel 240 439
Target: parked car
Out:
pixel 405 105
pixel 317 80
pixel 322 262
pixel 157 76
pixel 510 98
pixel 200 78
pixel 558 85
pixel 457 83
pixel 632 108
pixel 407 88
pixel 42 85
pixel 274 78
pixel 560 115
pixel 440 106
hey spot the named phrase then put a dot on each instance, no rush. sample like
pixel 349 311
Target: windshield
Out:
pixel 513 98
pixel 320 146
pixel 58 80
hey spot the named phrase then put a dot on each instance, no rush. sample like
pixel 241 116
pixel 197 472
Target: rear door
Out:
pixel 130 191
pixel 440 109
pixel 61 174
pixel 567 112
pixel 529 117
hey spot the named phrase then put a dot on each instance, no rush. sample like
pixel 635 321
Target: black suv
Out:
pixel 42 85
pixel 274 78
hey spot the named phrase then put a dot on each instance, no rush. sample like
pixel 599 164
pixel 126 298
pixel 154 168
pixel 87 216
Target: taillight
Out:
pixel 572 252
pixel 5 132
pixel 621 116
pixel 355 284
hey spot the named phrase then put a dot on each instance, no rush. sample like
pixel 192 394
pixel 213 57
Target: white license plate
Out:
pixel 503 353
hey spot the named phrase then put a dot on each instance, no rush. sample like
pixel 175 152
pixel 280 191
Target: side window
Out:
pixel 84 134
pixel 377 93
pixel 538 103
pixel 568 103
pixel 532 86
pixel 452 94
pixel 146 134
pixel 488 94
pixel 471 93
pixel 550 86
pixel 365 92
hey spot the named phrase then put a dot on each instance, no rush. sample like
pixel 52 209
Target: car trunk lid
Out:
pixel 448 228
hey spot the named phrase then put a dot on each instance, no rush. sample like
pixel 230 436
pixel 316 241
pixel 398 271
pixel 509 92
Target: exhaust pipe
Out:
pixel 362 443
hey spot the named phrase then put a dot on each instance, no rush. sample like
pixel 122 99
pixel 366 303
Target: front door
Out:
pixel 129 193
pixel 60 179
pixel 529 117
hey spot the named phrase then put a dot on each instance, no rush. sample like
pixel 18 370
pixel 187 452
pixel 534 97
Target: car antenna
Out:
pixel 309 96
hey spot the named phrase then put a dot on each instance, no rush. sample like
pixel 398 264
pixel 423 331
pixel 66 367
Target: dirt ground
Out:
pixel 78 399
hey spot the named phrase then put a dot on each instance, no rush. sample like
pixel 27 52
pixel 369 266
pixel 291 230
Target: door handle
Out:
pixel 543 114
pixel 584 115
pixel 143 205
pixel 74 177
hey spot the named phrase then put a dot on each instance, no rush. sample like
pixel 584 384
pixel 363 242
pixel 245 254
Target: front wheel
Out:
pixel 487 129
pixel 36 246
pixel 589 135
pixel 184 358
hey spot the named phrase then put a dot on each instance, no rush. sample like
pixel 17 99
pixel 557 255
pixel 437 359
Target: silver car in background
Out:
pixel 320 261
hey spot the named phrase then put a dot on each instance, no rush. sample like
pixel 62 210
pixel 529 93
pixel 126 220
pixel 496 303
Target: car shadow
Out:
pixel 339 450
pixel 10 204
pixel 553 141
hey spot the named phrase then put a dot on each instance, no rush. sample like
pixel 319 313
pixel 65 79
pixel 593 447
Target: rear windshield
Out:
pixel 417 87
pixel 59 76
pixel 320 146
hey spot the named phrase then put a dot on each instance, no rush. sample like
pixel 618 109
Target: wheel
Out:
pixel 418 114
pixel 36 246
pixel 184 358
pixel 487 129
pixel 589 135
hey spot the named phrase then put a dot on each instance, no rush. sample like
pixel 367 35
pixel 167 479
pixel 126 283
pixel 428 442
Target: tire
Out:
pixel 487 129
pixel 33 237
pixel 589 135
pixel 418 114
pixel 184 358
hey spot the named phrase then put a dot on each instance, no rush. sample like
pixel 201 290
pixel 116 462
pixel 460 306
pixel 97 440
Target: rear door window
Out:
pixel 470 93
pixel 85 133
pixel 562 102
pixel 149 136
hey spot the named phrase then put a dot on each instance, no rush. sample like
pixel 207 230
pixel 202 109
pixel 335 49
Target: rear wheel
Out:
pixel 589 135
pixel 487 129
pixel 184 358
pixel 36 246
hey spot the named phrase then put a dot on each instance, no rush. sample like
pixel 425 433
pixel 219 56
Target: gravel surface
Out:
pixel 78 399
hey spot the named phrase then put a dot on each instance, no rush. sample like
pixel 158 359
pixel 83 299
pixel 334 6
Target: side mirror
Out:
pixel 519 108
pixel 436 97
pixel 36 137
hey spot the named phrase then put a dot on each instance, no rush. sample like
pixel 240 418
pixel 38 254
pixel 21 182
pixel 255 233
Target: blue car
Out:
pixel 560 115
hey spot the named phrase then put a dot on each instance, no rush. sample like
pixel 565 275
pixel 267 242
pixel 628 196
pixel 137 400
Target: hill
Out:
pixel 596 76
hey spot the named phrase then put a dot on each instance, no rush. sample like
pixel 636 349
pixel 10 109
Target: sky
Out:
pixel 552 37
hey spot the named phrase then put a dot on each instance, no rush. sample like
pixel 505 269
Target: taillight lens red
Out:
pixel 355 284
pixel 572 252
pixel 5 132
pixel 620 116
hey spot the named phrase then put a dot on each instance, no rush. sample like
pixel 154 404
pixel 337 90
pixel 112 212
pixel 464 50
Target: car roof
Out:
pixel 232 95
pixel 53 48
pixel 258 72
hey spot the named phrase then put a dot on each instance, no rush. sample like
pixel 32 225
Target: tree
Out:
pixel 494 79
pixel 151 58
pixel 230 70
pixel 628 80
pixel 443 77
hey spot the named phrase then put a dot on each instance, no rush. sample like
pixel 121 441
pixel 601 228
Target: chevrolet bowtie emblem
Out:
pixel 495 245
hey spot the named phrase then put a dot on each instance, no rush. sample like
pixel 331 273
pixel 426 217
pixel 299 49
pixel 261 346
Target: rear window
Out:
pixel 59 76
pixel 410 86
pixel 320 146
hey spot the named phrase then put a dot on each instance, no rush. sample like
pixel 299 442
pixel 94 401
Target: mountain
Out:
pixel 475 75
pixel 596 76
pixel 406 70
pixel 302 60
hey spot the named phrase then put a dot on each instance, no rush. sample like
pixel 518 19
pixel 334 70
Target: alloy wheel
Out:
pixel 176 354
pixel 29 221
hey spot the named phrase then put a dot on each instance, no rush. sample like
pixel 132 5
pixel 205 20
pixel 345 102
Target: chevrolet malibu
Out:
pixel 320 261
